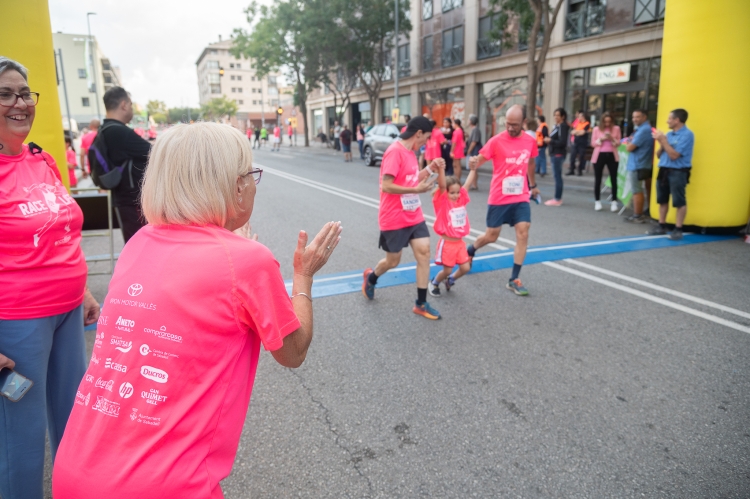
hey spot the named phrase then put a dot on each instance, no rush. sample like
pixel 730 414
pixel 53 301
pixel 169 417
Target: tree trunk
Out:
pixel 302 95
pixel 535 65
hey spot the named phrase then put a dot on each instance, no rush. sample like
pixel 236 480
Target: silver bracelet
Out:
pixel 301 294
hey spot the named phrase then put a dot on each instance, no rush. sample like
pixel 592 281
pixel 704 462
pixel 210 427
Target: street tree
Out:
pixel 372 25
pixel 286 36
pixel 535 19
pixel 157 110
pixel 219 108
pixel 183 114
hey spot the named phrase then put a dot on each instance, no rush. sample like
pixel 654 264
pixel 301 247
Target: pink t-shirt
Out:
pixel 87 140
pixel 70 157
pixel 289 130
pixel 160 410
pixel 399 210
pixel 432 148
pixel 510 160
pixel 42 267
pixel 460 144
pixel 277 132
pixel 451 219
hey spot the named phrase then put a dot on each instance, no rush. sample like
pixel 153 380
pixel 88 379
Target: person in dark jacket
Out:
pixel 558 146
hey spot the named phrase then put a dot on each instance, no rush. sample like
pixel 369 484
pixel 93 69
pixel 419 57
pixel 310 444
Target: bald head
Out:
pixel 514 120
pixel 94 125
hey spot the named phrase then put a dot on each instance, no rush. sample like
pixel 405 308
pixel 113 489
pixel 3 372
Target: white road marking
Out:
pixel 375 203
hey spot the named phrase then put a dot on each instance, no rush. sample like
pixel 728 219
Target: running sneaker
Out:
pixel 449 283
pixel 614 207
pixel 368 289
pixel 433 288
pixel 426 311
pixel 636 219
pixel 657 230
pixel 517 287
pixel 597 206
pixel 553 202
pixel 675 235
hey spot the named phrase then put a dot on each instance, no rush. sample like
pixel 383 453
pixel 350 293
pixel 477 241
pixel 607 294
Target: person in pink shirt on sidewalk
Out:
pixel 86 142
pixel 458 144
pixel 160 410
pixel 605 138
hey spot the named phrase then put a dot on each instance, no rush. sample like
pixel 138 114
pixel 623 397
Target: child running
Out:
pixel 452 225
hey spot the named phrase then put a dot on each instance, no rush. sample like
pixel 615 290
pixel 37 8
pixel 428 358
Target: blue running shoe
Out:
pixel 426 311
pixel 449 283
pixel 368 289
pixel 517 287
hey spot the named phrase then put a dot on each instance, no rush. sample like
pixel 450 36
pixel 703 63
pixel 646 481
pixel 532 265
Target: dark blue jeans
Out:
pixel 557 165
pixel 541 161
pixel 577 151
pixel 361 153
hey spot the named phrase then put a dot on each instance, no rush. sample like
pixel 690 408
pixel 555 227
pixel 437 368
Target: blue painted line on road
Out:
pixel 351 282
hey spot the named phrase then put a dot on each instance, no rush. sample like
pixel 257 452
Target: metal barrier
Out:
pixel 94 224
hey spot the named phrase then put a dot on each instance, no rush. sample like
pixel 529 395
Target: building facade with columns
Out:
pixel 605 55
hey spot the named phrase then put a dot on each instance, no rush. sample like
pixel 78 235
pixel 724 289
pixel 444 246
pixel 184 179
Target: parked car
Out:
pixel 377 141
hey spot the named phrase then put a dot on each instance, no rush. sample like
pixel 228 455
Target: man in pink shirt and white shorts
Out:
pixel 400 216
pixel 512 153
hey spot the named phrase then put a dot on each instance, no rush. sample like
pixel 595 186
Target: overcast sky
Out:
pixel 154 42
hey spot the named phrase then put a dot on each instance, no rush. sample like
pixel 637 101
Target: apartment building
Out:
pixel 605 55
pixel 257 98
pixel 84 73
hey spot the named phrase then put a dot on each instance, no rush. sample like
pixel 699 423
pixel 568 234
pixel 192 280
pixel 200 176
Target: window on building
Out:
pixel 486 45
pixel 451 4
pixel 239 77
pixel 271 81
pixel 214 78
pixel 427 53
pixel 82 73
pixel 453 47
pixel 647 11
pixel 427 9
pixel 231 65
pixel 240 101
pixel 212 51
pixel 584 18
pixel 107 79
pixel 404 61
pixel 255 103
pixel 212 64
pixel 85 102
pixel 234 90
pixel 239 90
pixel 231 77
pixel 239 66
pixel 252 78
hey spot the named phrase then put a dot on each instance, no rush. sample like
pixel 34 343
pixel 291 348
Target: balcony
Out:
pixel 487 48
pixel 585 22
pixel 387 73
pixel 404 68
pixel 452 57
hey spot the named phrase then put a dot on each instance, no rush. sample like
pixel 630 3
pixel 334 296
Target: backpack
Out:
pixel 104 173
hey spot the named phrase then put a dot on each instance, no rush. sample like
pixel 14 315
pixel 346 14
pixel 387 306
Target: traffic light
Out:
pixel 280 110
pixel 221 71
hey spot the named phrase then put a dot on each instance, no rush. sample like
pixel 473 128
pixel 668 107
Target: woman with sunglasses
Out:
pixel 44 302
pixel 189 305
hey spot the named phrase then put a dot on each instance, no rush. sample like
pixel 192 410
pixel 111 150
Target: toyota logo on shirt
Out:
pixel 135 289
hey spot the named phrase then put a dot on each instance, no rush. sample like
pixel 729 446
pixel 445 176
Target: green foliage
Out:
pixel 160 118
pixel 509 11
pixel 181 114
pixel 218 108
pixel 156 107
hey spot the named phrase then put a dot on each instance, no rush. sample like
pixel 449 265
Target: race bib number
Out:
pixel 410 202
pixel 458 217
pixel 513 186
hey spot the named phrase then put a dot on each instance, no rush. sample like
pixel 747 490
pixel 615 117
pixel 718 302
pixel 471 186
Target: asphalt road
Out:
pixel 599 384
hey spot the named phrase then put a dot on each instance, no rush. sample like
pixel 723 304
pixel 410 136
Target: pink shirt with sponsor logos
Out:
pixel 399 210
pixel 451 218
pixel 510 160
pixel 160 410
pixel 42 267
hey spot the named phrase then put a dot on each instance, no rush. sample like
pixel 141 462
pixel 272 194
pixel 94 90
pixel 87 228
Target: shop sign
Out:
pixel 617 73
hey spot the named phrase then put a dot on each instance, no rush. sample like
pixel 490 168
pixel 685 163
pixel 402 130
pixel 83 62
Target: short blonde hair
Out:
pixel 192 173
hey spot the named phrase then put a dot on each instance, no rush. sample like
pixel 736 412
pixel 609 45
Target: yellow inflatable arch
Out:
pixel 706 70
pixel 28 40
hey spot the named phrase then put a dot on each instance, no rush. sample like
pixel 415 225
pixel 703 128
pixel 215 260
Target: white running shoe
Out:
pixel 598 206
pixel 614 207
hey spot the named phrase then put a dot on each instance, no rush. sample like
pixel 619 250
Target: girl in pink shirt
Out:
pixel 432 148
pixel 70 157
pixel 605 139
pixel 458 144
pixel 452 224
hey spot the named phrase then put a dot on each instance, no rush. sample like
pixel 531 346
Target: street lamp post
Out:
pixel 93 66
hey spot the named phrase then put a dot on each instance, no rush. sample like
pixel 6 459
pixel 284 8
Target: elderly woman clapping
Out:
pixel 43 297
pixel 188 307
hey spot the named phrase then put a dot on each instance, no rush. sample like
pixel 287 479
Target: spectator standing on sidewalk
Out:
pixel 675 161
pixel 257 138
pixel 86 142
pixel 361 140
pixel 558 147
pixel 336 136
pixel 605 139
pixel 640 164
pixel 346 143
pixel 542 132
pixel 475 144
pixel 580 134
